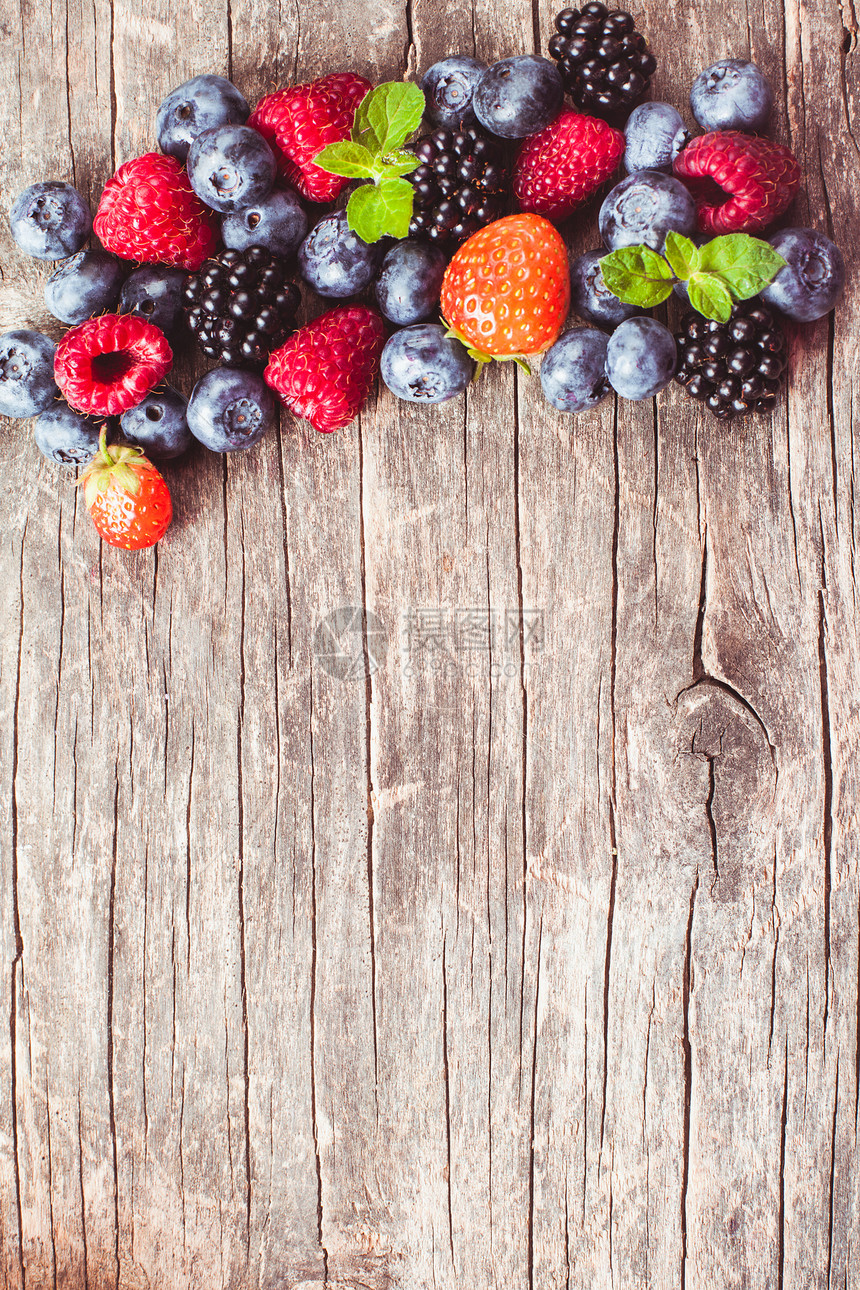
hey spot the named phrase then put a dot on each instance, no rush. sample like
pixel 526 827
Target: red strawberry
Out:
pixel 301 120
pixel 325 370
pixel 110 363
pixel 558 168
pixel 507 290
pixel 126 496
pixel 741 182
pixel 150 212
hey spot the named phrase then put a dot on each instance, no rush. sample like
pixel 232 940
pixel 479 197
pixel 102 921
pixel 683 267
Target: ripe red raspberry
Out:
pixel 325 370
pixel 109 364
pixel 741 182
pixel 300 121
pixel 150 212
pixel 563 164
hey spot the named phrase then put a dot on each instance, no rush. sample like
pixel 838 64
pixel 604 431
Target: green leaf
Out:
pixel 381 210
pixel 388 115
pixel 637 275
pixel 682 255
pixel 710 296
pixel 744 264
pixel 399 162
pixel 362 128
pixel 349 159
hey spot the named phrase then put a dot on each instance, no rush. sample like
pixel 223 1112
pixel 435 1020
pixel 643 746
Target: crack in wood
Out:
pixel 688 1076
pixel 447 1085
pixel 368 756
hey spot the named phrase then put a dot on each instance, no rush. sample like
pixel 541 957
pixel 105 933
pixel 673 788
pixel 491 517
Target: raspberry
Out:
pixel 300 121
pixel 149 212
pixel 741 182
pixel 240 306
pixel 325 370
pixel 558 168
pixel 734 367
pixel 460 185
pixel 108 364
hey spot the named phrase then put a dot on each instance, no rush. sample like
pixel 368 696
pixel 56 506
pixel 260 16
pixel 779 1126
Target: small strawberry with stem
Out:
pixel 126 496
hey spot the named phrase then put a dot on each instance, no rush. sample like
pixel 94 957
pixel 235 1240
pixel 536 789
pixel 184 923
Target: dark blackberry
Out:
pixel 605 64
pixel 734 367
pixel 240 306
pixel 461 185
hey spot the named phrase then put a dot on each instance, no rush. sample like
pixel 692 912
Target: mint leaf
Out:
pixel 682 255
pixel 381 210
pixel 403 104
pixel 363 130
pixel 710 296
pixel 637 275
pixel 349 159
pixel 400 162
pixel 744 264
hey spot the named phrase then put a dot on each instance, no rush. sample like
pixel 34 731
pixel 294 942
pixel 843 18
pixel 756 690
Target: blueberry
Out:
pixel 231 167
pixel 640 358
pixel 409 283
pixel 154 293
pixel 573 371
pixel 423 365
pixel 591 298
pixel 731 95
pixel 518 96
pixel 50 221
pixel 654 135
pixel 335 261
pixel 65 436
pixel 27 384
pixel 198 105
pixel 813 278
pixel 643 208
pixel 83 285
pixel 278 223
pixel 448 88
pixel 230 409
pixel 158 425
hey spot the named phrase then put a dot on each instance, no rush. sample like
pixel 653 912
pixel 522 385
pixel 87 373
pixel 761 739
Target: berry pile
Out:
pixel 446 255
pixel 240 306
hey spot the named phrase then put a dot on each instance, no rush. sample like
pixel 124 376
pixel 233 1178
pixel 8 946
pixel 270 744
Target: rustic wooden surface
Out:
pixel 536 969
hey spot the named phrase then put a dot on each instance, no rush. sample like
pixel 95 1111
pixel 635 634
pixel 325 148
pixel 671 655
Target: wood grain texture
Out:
pixel 525 961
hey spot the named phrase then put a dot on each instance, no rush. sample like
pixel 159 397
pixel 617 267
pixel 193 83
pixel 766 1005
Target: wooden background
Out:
pixel 523 965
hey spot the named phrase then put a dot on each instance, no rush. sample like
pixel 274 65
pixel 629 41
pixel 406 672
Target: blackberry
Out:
pixel 605 64
pixel 734 367
pixel 461 185
pixel 240 306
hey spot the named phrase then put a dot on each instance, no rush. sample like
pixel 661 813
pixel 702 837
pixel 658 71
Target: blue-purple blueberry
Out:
pixel 50 220
pixel 230 409
pixel 27 384
pixel 67 437
pixel 518 96
pixel 643 208
pixel 154 293
pixel 591 298
pixel 448 89
pixel 409 282
pixel 159 424
pixel 278 222
pixel 573 371
pixel 423 365
pixel 231 167
pixel 641 358
pixel 731 95
pixel 813 277
pixel 654 135
pixel 84 285
pixel 334 261
pixel 195 106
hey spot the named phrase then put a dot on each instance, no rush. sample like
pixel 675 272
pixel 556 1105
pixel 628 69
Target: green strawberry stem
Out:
pixel 111 463
pixel 480 357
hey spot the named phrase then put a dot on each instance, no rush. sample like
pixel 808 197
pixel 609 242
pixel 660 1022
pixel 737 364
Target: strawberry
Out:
pixel 757 176
pixel 506 292
pixel 325 370
pixel 106 365
pixel 126 496
pixel 563 164
pixel 301 120
pixel 150 212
